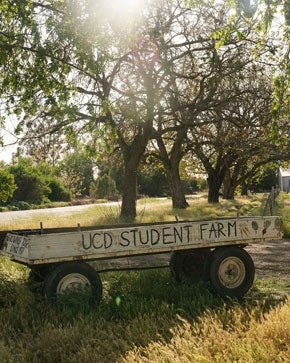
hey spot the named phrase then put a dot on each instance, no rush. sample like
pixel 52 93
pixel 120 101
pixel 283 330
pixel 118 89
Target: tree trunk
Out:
pixel 171 161
pixel 177 192
pixel 133 152
pixel 228 187
pixel 244 189
pixel 132 155
pixel 214 185
pixel 129 196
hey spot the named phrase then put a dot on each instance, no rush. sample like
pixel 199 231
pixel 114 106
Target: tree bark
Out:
pixel 129 196
pixel 132 155
pixel 228 186
pixel 176 188
pixel 133 152
pixel 171 161
pixel 214 183
pixel 244 189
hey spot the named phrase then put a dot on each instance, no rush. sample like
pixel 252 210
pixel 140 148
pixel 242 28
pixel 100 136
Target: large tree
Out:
pixel 83 65
pixel 205 55
pixel 236 140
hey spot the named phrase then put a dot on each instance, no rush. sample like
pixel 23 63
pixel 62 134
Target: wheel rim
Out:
pixel 232 272
pixel 73 282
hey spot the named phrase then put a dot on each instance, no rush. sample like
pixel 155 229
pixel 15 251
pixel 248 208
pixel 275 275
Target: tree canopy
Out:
pixel 170 76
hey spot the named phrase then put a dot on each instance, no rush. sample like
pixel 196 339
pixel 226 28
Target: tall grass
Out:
pixel 154 320
pixel 283 209
pixel 145 316
pixel 148 210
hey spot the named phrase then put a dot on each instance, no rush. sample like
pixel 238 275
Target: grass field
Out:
pixel 145 316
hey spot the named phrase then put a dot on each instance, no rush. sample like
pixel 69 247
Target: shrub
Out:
pixel 58 193
pixel 31 187
pixel 8 185
pixel 104 188
pixel 22 205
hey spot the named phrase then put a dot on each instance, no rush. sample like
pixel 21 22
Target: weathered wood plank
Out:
pixel 110 242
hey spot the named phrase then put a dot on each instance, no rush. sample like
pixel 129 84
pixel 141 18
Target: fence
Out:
pixel 270 202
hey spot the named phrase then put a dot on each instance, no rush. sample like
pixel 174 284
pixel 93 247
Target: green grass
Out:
pixel 145 316
pixel 283 209
pixel 155 320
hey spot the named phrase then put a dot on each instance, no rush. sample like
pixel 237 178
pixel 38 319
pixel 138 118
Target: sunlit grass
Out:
pixel 235 335
pixel 283 208
pixel 148 210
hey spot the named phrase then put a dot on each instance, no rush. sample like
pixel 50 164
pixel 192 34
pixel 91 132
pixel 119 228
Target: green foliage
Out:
pixel 31 185
pixel 265 179
pixel 36 184
pixel 8 186
pixel 66 65
pixel 152 181
pixel 58 193
pixel 76 173
pixel 19 205
pixel 104 187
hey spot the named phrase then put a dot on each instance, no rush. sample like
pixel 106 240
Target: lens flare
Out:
pixel 118 300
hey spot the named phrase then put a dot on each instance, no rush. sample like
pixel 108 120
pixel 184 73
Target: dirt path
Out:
pixel 272 259
pixel 10 217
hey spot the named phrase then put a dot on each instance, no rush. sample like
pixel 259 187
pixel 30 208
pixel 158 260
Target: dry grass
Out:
pixel 234 335
pixel 148 210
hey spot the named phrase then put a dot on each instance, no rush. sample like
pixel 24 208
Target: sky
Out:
pixel 9 141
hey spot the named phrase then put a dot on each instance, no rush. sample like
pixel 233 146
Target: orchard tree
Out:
pixel 83 64
pixel 206 72
pixel 237 140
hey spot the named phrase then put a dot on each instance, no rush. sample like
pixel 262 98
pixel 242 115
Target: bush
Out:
pixel 22 205
pixel 31 187
pixel 58 193
pixel 153 183
pixel 105 187
pixel 8 185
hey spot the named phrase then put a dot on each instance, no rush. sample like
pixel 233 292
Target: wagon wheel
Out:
pixel 232 271
pixel 189 264
pixel 37 276
pixel 73 278
pixel 38 273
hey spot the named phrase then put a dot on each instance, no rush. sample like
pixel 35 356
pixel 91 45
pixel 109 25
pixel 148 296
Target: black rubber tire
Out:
pixel 73 274
pixel 232 271
pixel 189 264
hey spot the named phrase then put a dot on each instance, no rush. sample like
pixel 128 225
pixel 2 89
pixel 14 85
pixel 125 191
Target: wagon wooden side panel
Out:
pixel 110 242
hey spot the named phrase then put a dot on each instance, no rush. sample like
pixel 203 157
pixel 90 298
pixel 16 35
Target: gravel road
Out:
pixel 8 217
